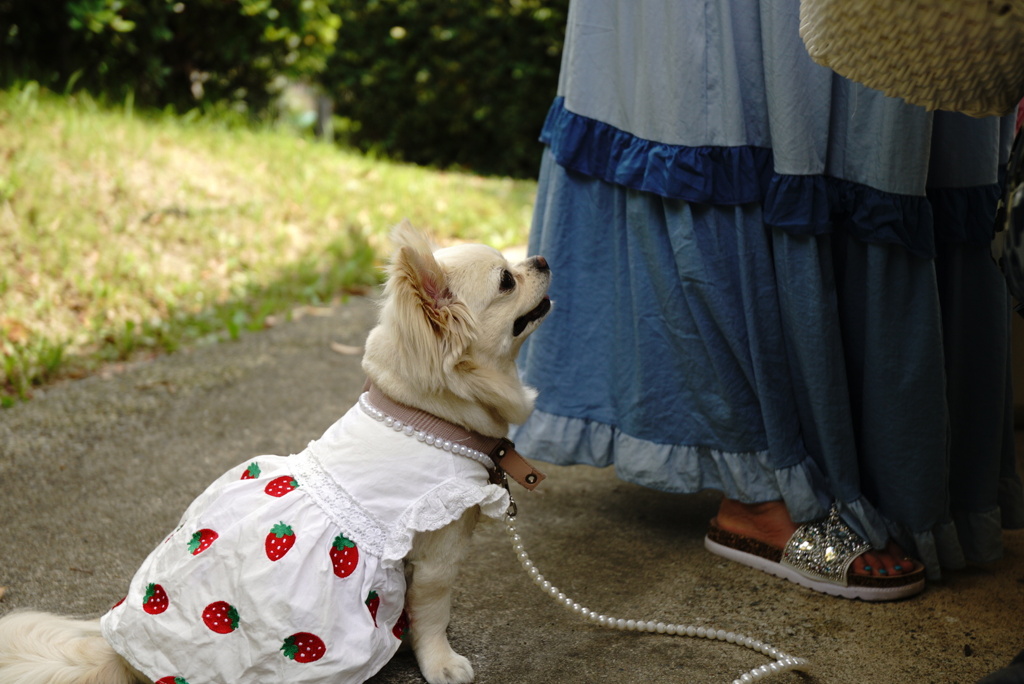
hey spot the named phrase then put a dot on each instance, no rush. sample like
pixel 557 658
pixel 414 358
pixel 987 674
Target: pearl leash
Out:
pixel 782 661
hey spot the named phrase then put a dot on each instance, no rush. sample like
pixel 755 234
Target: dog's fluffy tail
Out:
pixel 38 648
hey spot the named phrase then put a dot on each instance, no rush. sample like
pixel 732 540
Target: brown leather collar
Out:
pixel 500 450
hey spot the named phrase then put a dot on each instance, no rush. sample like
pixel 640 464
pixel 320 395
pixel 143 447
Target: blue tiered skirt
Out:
pixel 771 282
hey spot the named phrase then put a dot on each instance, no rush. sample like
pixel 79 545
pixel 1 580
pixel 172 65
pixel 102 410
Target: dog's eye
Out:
pixel 508 282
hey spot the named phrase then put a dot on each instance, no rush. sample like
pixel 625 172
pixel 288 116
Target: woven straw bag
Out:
pixel 960 55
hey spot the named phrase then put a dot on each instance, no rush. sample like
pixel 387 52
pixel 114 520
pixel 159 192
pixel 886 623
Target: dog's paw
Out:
pixel 449 668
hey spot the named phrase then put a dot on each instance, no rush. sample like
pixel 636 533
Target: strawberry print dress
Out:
pixel 290 569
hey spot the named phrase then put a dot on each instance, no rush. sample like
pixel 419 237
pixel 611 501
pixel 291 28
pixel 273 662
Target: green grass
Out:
pixel 125 233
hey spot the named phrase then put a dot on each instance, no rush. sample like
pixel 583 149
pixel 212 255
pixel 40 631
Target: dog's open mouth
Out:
pixel 538 312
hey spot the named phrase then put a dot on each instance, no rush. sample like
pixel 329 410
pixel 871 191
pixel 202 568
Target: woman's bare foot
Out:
pixel 769 522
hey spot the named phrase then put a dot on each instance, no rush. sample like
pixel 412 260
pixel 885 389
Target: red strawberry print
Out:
pixel 201 541
pixel 304 647
pixel 118 603
pixel 155 601
pixel 221 617
pixel 280 486
pixel 402 626
pixel 279 541
pixel 344 556
pixel 170 680
pixel 251 472
pixel 373 603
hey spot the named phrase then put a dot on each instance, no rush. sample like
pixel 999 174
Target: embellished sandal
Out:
pixel 818 556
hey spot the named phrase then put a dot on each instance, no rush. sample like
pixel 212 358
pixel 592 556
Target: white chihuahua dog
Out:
pixel 313 567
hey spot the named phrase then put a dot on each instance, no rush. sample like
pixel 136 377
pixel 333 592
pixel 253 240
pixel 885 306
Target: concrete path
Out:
pixel 95 472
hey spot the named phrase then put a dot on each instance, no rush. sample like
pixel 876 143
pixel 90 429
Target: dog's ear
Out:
pixel 419 288
pixel 414 269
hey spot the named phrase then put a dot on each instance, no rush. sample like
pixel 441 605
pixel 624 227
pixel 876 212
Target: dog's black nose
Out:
pixel 540 263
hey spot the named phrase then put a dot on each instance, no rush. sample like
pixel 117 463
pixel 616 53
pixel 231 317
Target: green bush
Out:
pixel 183 53
pixel 444 83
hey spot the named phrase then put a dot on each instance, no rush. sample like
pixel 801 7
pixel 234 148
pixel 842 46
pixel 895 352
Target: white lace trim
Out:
pixel 442 505
pixel 337 504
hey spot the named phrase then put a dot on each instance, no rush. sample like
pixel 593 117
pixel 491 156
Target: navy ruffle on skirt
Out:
pixel 803 205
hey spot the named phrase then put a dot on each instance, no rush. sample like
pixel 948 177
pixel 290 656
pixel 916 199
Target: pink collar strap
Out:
pixel 501 451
